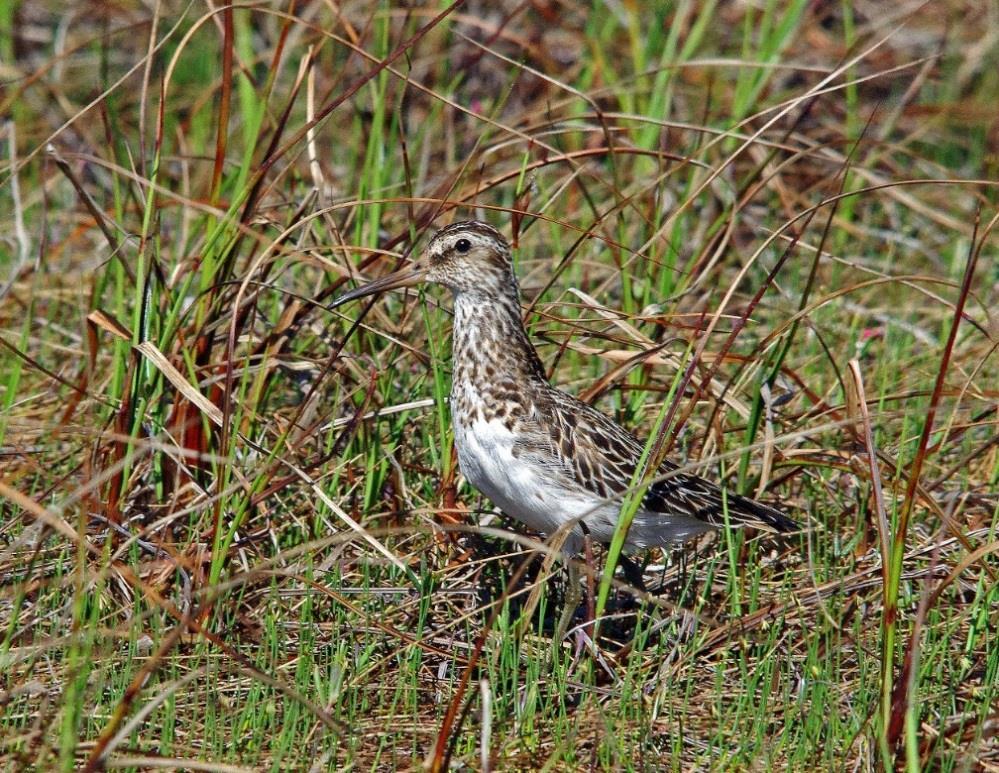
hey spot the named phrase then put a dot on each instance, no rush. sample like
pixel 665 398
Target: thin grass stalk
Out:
pixel 889 735
pixel 225 100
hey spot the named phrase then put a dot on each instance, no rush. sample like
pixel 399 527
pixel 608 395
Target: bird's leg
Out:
pixel 570 601
pixel 573 595
pixel 591 610
pixel 682 574
pixel 632 573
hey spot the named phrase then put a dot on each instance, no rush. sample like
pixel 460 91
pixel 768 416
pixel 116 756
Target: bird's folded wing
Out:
pixel 581 447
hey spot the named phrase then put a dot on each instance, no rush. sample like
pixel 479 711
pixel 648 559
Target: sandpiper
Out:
pixel 541 455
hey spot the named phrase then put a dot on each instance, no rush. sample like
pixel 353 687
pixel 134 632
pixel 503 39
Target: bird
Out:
pixel 541 455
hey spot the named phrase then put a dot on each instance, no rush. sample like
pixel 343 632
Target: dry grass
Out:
pixel 235 535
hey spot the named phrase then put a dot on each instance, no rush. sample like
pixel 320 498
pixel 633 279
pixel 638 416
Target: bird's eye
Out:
pixel 463 245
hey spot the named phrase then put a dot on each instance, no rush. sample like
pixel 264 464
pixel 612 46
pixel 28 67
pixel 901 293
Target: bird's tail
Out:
pixel 759 515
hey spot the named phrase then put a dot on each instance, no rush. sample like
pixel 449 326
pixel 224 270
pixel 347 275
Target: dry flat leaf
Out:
pixel 769 439
pixel 48 517
pixel 158 359
pixel 106 322
pixel 854 409
pixel 614 317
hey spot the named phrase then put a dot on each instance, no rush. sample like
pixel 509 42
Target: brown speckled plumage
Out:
pixel 540 454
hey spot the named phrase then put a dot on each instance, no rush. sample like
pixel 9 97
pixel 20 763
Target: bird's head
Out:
pixel 466 257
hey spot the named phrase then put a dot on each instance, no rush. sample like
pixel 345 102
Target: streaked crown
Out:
pixel 470 257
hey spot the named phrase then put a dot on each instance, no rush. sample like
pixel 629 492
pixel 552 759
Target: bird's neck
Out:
pixel 490 346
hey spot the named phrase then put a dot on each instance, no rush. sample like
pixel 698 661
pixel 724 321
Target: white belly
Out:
pixel 521 489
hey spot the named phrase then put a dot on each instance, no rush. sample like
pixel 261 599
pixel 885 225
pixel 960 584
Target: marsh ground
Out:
pixel 234 535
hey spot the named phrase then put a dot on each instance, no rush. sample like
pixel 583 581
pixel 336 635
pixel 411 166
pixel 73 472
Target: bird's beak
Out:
pixel 405 278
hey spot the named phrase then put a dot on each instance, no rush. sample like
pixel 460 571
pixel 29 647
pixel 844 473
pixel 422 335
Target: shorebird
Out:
pixel 541 455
